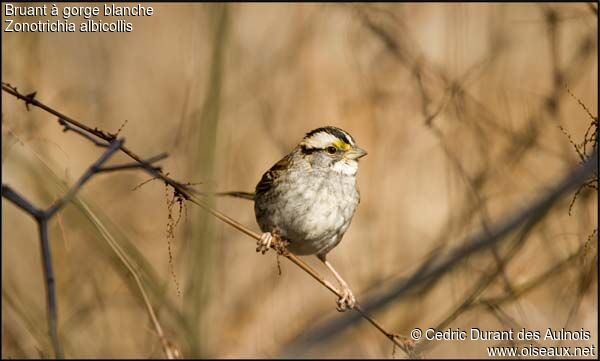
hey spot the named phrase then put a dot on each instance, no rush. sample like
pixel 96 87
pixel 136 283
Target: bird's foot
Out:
pixel 347 300
pixel 280 245
pixel 264 243
pixel 271 240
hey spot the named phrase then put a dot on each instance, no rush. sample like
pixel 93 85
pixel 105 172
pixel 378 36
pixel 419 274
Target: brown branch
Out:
pixel 68 127
pixel 84 129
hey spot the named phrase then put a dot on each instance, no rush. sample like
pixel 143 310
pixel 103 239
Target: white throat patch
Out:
pixel 346 166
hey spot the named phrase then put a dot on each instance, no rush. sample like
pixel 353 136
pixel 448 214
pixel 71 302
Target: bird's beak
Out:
pixel 355 153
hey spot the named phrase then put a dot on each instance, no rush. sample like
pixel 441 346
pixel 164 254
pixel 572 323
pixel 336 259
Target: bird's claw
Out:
pixel 347 300
pixel 264 243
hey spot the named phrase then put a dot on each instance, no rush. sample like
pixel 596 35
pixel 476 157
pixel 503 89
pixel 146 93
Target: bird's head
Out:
pixel 332 147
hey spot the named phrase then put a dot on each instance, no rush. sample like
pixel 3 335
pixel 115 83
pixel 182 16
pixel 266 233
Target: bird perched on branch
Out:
pixel 308 198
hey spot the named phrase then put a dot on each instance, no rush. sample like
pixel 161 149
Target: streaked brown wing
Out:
pixel 270 176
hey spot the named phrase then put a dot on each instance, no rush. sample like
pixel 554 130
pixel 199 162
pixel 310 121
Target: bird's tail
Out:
pixel 243 195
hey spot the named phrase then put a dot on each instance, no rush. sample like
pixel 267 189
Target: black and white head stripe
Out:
pixel 325 136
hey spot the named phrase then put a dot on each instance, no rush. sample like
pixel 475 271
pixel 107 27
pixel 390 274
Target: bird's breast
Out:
pixel 312 212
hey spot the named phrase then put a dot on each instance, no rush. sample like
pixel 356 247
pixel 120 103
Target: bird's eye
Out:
pixel 331 150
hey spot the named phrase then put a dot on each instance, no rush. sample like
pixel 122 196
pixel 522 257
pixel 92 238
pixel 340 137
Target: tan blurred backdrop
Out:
pixel 459 106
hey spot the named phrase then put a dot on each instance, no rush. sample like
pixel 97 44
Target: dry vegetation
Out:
pixel 470 113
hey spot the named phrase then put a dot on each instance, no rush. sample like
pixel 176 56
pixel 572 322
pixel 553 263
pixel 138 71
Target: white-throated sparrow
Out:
pixel 308 198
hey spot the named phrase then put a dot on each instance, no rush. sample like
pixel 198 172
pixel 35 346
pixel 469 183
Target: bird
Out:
pixel 309 197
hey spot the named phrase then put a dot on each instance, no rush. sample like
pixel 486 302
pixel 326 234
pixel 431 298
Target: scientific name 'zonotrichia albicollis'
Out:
pixel 308 198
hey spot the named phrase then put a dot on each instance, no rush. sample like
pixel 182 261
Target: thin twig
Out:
pixel 16 199
pixel 68 127
pixel 93 169
pixel 135 165
pixel 50 287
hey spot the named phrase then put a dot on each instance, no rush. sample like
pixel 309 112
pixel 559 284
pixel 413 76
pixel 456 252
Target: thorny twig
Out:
pixel 590 138
pixel 42 217
pixel 190 195
pixel 84 129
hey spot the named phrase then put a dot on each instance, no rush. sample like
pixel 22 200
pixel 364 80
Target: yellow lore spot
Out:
pixel 340 144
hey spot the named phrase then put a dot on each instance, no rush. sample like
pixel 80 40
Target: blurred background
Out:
pixel 465 111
